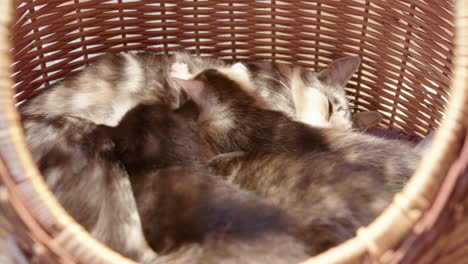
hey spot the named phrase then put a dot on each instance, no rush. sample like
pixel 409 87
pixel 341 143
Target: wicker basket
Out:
pixel 409 66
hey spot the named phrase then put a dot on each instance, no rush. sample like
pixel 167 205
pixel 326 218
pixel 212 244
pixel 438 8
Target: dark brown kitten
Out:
pixel 315 98
pixel 333 180
pixel 232 119
pixel 181 204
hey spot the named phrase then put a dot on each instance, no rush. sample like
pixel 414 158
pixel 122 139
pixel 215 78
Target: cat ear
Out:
pixel 239 72
pixel 240 69
pixel 193 88
pixel 338 73
pixel 365 120
pixel 180 70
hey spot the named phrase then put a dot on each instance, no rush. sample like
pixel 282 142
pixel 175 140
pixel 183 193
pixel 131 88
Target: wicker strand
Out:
pixel 408 59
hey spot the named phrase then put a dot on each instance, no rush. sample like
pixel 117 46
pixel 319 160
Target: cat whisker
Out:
pixel 279 96
pixel 279 81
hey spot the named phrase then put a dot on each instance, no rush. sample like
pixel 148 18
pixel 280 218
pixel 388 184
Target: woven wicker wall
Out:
pixel 406 46
pixel 408 66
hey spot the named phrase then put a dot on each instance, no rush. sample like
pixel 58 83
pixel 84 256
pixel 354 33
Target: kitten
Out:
pixel 60 124
pixel 104 91
pixel 317 99
pixel 180 203
pixel 320 98
pixel 334 198
pixel 296 165
pixel 59 127
pixel 80 167
pixel 76 161
pixel 232 119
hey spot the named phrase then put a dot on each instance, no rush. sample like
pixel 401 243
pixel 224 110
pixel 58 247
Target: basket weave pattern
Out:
pixel 401 42
pixel 408 67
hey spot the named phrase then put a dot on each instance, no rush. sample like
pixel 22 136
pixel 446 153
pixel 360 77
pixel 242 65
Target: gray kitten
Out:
pixel 60 124
pixel 104 91
pixel 317 99
pixel 81 169
pixel 60 130
pixel 336 179
pixel 232 119
pixel 184 208
pixel 331 197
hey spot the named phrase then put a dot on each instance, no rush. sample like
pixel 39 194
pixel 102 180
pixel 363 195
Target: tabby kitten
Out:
pixel 317 99
pixel 332 198
pixel 232 119
pixel 81 169
pixel 59 126
pixel 320 98
pixel 104 91
pixel 183 206
pixel 336 179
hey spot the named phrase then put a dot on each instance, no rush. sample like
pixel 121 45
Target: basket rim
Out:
pixel 22 176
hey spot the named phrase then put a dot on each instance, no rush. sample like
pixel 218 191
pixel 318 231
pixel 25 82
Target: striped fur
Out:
pixel 185 208
pixel 333 178
pixel 79 165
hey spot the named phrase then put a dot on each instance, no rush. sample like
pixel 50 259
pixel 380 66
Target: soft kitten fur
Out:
pixel 317 99
pixel 180 203
pixel 320 98
pixel 81 169
pixel 243 123
pixel 59 125
pixel 333 197
pixel 104 91
pixel 335 178
pixel 115 83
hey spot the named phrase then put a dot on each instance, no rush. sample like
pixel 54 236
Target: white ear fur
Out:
pixel 239 73
pixel 242 73
pixel 297 90
pixel 365 120
pixel 311 104
pixel 180 70
pixel 241 70
pixel 338 73
pixel 316 111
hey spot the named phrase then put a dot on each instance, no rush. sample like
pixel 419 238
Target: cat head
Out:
pixel 231 116
pixel 221 93
pixel 320 98
pixel 155 136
